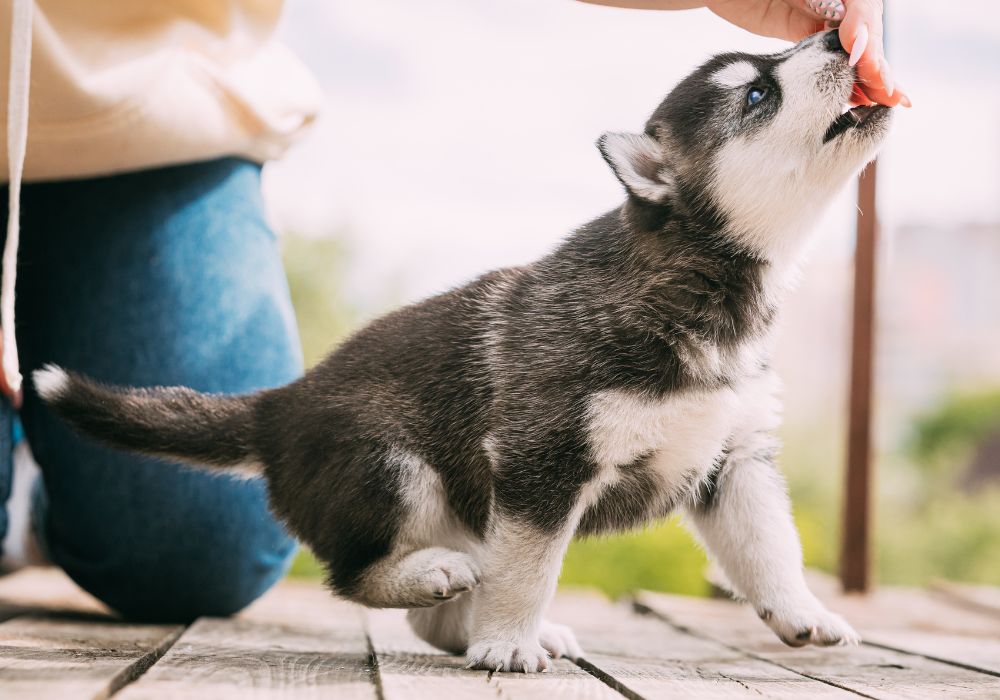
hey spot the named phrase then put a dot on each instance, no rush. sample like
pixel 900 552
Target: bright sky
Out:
pixel 459 134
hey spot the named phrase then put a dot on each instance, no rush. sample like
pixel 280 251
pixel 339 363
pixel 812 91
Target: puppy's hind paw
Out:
pixel 525 657
pixel 559 641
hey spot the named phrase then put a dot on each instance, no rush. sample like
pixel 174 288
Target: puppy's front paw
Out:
pixel 810 623
pixel 559 641
pixel 500 655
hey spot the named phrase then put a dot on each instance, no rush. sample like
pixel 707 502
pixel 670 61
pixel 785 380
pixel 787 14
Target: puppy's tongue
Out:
pixel 858 96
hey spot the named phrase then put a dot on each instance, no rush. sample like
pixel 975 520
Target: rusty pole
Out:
pixel 855 558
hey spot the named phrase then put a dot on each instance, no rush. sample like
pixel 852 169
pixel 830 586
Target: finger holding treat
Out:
pixel 860 25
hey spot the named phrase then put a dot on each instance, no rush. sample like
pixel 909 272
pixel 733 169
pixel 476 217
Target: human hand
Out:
pixel 859 23
pixel 14 395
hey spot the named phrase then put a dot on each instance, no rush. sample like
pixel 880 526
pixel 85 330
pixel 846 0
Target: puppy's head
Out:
pixel 757 143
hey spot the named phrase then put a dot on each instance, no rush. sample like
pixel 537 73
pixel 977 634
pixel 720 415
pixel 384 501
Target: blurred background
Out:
pixel 458 136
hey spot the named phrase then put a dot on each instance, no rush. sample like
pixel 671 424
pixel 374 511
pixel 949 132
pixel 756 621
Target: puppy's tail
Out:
pixel 205 430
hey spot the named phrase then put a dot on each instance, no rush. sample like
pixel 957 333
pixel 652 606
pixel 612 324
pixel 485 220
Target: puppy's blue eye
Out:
pixel 755 95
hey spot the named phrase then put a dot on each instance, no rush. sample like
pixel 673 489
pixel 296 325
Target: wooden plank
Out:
pixel 221 659
pixel 981 598
pixel 890 608
pixel 650 659
pixel 867 670
pixel 297 642
pixel 855 556
pixel 927 623
pixel 409 668
pixel 979 653
pixel 43 658
pixel 45 589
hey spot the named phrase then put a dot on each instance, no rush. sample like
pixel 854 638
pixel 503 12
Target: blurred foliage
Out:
pixel 951 536
pixel 924 528
pixel 945 437
pixel 306 565
pixel 660 558
pixel 315 269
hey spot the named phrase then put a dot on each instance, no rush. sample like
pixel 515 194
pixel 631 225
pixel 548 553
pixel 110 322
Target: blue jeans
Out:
pixel 160 277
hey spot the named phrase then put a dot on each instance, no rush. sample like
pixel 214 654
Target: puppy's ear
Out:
pixel 638 161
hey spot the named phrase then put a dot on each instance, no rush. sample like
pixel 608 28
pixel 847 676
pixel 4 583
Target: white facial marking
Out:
pixel 736 74
pixel 774 181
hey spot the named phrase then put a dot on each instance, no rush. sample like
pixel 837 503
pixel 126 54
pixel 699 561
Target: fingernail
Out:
pixel 860 44
pixel 886 74
pixel 832 10
pixel 905 101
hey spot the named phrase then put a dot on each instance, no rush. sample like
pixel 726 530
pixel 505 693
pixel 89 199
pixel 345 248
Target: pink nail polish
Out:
pixel 860 44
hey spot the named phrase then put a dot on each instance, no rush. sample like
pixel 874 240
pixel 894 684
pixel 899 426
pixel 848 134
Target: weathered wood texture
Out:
pixel 64 644
pixel 44 590
pixel 953 622
pixel 982 599
pixel 409 668
pixel 43 658
pixel 869 670
pixel 651 659
pixel 297 642
pixel 300 642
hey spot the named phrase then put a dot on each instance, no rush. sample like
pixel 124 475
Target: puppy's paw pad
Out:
pixel 812 624
pixel 559 641
pixel 523 657
pixel 435 575
pixel 460 571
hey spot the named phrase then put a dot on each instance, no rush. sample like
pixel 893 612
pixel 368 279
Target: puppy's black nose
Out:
pixel 832 41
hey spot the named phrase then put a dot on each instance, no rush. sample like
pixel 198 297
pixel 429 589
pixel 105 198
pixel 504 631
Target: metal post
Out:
pixel 855 548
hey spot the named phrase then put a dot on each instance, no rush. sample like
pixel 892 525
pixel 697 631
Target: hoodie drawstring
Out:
pixel 17 141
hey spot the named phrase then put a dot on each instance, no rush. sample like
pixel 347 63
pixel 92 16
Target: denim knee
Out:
pixel 163 277
pixel 177 577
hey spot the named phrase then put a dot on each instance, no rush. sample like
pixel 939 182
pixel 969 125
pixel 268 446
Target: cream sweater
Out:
pixel 124 84
pixel 95 87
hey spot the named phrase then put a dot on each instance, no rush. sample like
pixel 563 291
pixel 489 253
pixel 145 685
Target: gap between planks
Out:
pixel 300 642
pixel 61 643
pixel 45 657
pixel 874 670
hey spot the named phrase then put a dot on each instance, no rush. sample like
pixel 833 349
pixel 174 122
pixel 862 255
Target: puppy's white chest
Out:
pixel 683 433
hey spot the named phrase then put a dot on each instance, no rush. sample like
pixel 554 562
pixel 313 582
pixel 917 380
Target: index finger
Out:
pixel 861 34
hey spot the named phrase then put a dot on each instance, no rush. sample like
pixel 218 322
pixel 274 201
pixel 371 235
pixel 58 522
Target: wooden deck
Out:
pixel 298 642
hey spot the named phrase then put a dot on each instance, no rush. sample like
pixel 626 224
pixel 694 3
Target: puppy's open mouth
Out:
pixel 853 118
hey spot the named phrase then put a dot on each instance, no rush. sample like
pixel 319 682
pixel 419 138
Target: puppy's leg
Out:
pixel 418 579
pixel 520 569
pixel 745 522
pixel 444 626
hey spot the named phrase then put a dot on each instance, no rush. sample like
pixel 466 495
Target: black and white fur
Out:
pixel 444 456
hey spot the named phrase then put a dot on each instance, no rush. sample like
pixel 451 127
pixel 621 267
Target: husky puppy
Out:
pixel 444 456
